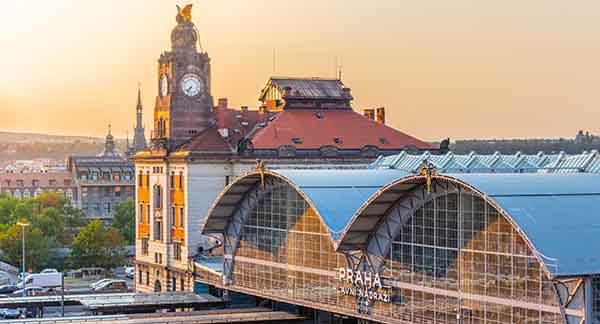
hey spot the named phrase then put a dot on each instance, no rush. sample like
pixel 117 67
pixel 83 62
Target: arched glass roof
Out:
pixel 558 213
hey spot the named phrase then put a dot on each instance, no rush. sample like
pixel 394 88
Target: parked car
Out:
pixel 115 285
pixel 31 291
pixel 129 272
pixel 99 282
pixel 9 313
pixel 49 271
pixel 8 289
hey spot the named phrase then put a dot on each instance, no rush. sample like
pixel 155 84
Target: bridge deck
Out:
pixel 102 302
pixel 200 317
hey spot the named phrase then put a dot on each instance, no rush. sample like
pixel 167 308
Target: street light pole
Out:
pixel 23 224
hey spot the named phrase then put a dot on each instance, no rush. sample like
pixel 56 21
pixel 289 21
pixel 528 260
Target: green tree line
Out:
pixel 54 223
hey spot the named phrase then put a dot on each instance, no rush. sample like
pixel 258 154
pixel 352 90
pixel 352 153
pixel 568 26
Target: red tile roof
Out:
pixel 350 129
pixel 209 141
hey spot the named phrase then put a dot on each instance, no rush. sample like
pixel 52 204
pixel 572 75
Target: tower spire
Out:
pixel 139 99
pixel 139 140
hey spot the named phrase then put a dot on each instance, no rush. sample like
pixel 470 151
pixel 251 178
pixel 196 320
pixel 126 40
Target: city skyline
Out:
pixel 441 70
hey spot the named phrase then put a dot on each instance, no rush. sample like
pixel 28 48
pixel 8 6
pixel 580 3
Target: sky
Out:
pixel 458 69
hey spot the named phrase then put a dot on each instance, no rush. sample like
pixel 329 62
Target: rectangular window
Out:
pixel 157 197
pixel 147 278
pixel 177 251
pixel 145 246
pixel 141 214
pixel 147 216
pixel 172 181
pixel 181 222
pixel 174 216
pixel 140 277
pixel 117 191
pixel 180 185
pixel 181 284
pixel 140 180
pixel 158 231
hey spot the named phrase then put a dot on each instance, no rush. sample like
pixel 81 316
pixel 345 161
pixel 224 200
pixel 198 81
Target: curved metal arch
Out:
pixel 379 243
pixel 239 216
pixel 381 239
pixel 233 230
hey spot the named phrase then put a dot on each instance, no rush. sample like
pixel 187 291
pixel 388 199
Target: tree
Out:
pixel 96 246
pixel 7 206
pixel 37 246
pixel 24 209
pixel 74 217
pixel 124 220
pixel 51 222
pixel 51 200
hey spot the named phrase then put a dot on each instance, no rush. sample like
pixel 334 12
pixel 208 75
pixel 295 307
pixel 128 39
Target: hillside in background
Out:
pixel 26 146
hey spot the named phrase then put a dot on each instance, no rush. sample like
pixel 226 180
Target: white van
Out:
pixel 45 280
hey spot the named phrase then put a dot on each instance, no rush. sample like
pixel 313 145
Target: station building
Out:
pixel 390 246
pixel 197 148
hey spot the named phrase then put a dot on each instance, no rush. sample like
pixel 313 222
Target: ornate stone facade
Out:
pixel 184 103
pixel 103 181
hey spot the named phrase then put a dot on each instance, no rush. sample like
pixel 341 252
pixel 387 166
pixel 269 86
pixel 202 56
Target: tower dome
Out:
pixel 110 148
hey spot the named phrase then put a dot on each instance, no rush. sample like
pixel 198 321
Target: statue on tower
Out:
pixel 184 14
pixel 184 36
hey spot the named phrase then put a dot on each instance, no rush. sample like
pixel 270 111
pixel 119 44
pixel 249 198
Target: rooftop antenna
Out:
pixel 274 61
pixel 335 66
pixel 339 70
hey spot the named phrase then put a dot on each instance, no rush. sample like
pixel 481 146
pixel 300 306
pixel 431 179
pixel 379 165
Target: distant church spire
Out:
pixel 110 148
pixel 139 139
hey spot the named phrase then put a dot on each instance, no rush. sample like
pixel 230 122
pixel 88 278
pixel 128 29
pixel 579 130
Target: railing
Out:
pixel 107 182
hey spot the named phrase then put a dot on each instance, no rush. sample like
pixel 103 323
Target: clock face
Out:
pixel 164 85
pixel 191 85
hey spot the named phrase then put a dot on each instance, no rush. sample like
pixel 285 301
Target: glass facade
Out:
pixel 596 300
pixel 465 260
pixel 285 251
pixel 456 260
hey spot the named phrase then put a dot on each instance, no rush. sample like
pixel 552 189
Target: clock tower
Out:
pixel 184 103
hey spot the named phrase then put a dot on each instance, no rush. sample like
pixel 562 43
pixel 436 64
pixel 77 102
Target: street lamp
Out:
pixel 23 224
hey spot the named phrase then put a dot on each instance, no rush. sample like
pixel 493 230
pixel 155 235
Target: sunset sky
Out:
pixel 459 69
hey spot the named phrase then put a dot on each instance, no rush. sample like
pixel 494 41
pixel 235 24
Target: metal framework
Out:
pixel 367 241
pixel 233 230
